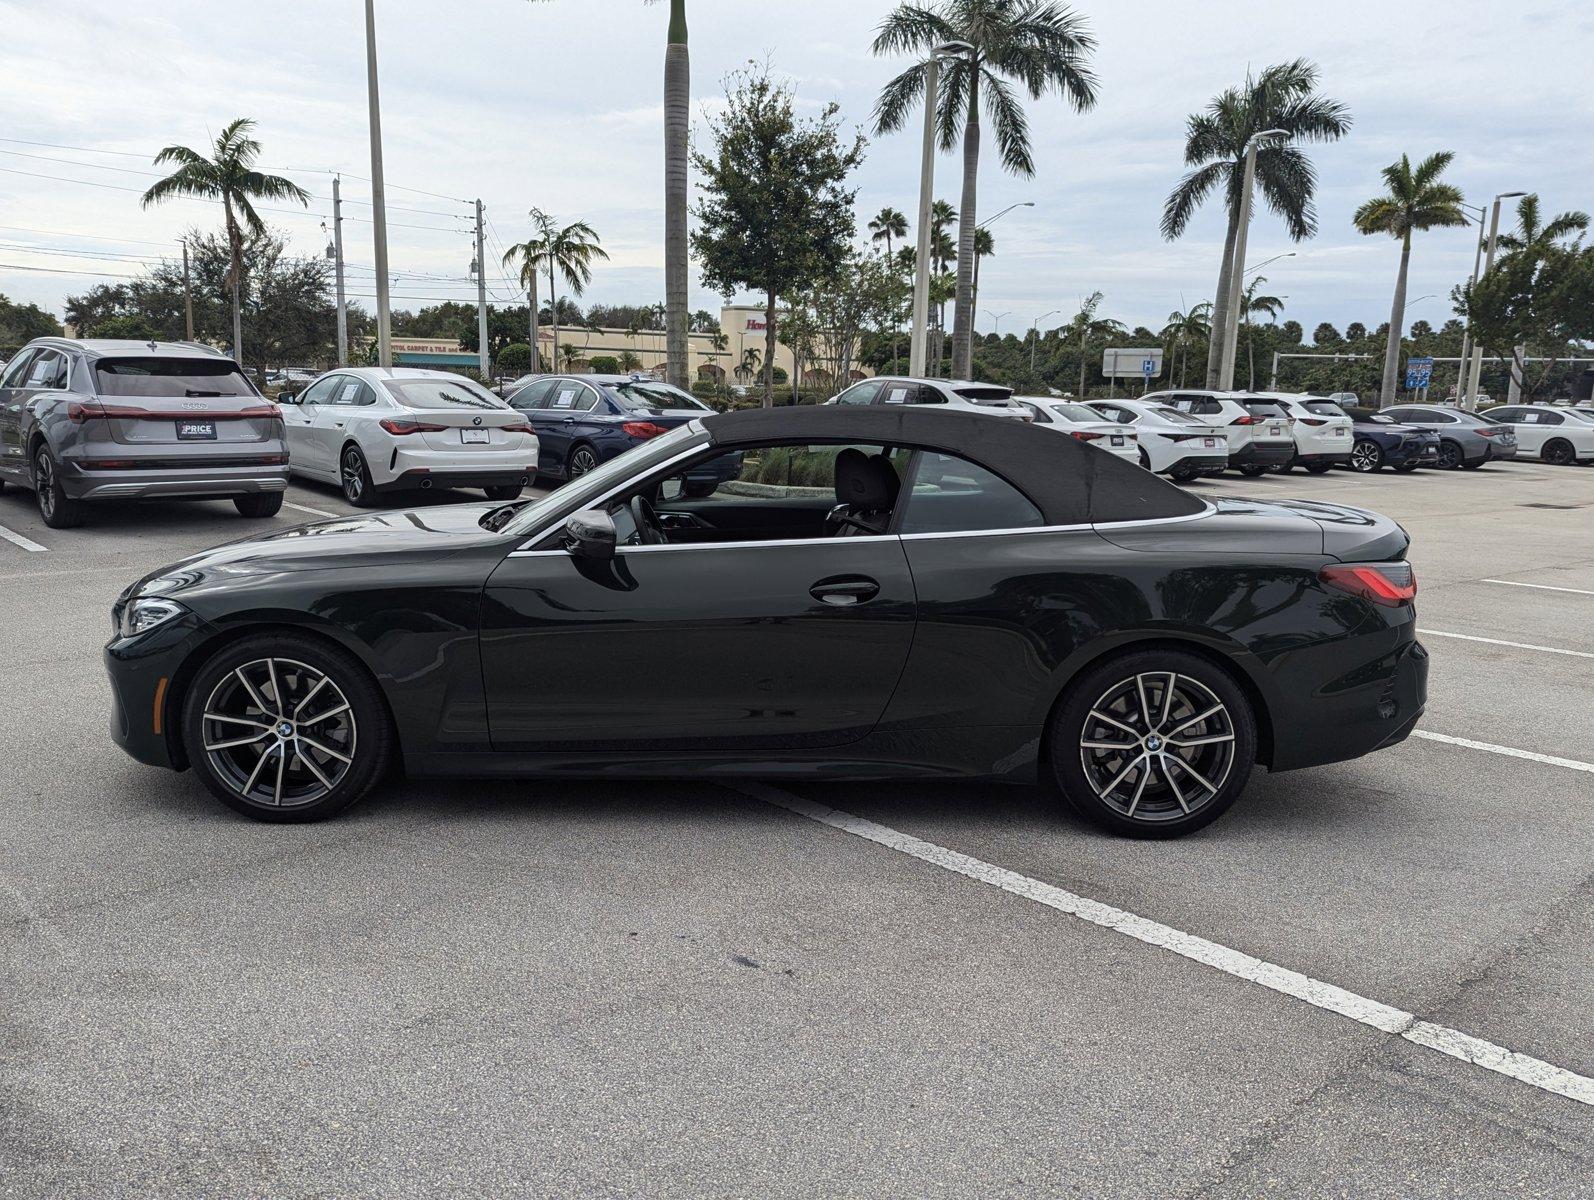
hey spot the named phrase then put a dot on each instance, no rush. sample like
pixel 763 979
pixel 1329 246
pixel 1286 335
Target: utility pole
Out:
pixel 1231 327
pixel 384 317
pixel 188 295
pixel 1466 330
pixel 919 332
pixel 1488 265
pixel 481 298
pixel 337 267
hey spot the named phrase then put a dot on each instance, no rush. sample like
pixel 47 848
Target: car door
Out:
pixel 307 427
pixel 13 396
pixel 746 645
pixel 562 422
pixel 533 401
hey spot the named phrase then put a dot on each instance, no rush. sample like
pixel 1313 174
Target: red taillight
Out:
pixel 79 414
pixel 1497 431
pixel 517 429
pixel 1390 584
pixel 1314 420
pixel 404 425
pixel 1085 436
pixel 1246 421
pixel 643 429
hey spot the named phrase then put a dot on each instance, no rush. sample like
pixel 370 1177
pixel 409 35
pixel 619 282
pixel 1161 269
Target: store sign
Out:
pixel 756 324
pixel 425 346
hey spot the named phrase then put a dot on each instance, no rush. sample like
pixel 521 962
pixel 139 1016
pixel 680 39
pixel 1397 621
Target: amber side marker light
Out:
pixel 160 702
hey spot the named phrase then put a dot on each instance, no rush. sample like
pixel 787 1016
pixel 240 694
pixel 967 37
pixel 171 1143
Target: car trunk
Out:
pixel 467 429
pixel 175 401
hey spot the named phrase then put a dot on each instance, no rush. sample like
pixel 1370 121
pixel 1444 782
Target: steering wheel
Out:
pixel 648 530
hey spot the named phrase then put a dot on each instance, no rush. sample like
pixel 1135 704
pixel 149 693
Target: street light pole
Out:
pixel 1005 211
pixel 384 316
pixel 1488 265
pixel 919 335
pixel 1231 329
pixel 188 295
pixel 1466 330
pixel 481 298
pixel 1035 330
pixel 337 267
pixel 998 317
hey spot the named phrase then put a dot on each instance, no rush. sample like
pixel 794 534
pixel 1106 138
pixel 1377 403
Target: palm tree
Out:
pixel 1183 328
pixel 1040 45
pixel 1416 199
pixel 984 247
pixel 888 223
pixel 752 359
pixel 229 175
pixel 1253 305
pixel 1533 242
pixel 942 252
pixel 1087 327
pixel 1281 97
pixel 567 252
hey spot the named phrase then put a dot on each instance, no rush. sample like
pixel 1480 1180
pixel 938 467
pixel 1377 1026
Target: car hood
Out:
pixel 381 539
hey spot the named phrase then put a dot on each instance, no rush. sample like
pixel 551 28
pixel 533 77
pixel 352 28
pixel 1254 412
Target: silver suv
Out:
pixel 988 399
pixel 115 420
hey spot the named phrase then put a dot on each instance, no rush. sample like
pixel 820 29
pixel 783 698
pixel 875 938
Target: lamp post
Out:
pixel 384 319
pixel 1005 211
pixel 1035 330
pixel 1476 368
pixel 919 334
pixel 1254 269
pixel 1231 329
pixel 1466 330
pixel 997 317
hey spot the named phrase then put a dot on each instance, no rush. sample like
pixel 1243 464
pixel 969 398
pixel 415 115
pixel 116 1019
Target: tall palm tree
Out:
pixel 1281 97
pixel 1416 199
pixel 942 252
pixel 984 247
pixel 568 251
pixel 1185 328
pixel 887 224
pixel 1039 45
pixel 1254 305
pixel 1087 327
pixel 1530 244
pixel 228 175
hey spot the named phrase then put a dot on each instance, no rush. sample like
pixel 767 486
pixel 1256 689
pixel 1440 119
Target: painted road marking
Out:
pixel 320 512
pixel 1237 963
pixel 16 539
pixel 1467 637
pixel 1570 764
pixel 1543 587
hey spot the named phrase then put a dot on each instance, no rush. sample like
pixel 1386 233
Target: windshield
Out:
pixel 1377 419
pixel 641 395
pixel 441 393
pixel 1177 417
pixel 165 377
pixel 1323 408
pixel 1265 408
pixel 576 494
pixel 1075 412
pixel 994 396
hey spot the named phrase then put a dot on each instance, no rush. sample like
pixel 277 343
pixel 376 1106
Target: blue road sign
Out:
pixel 1419 373
pixel 1148 367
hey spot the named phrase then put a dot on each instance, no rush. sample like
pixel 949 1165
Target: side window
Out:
pixel 533 395
pixel 1438 418
pixel 1549 418
pixel 861 393
pixel 18 370
pixel 952 495
pixel 1509 414
pixel 572 397
pixel 1122 415
pixel 1042 417
pixel 320 392
pixel 349 393
pixel 930 395
pixel 48 371
pixel 899 393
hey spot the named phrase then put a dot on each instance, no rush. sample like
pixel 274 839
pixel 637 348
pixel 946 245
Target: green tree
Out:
pixel 1416 199
pixel 1038 45
pixel 984 247
pixel 1281 97
pixel 229 175
pixel 1087 329
pixel 562 252
pixel 21 323
pixel 775 212
pixel 1186 329
pixel 1254 304
pixel 887 224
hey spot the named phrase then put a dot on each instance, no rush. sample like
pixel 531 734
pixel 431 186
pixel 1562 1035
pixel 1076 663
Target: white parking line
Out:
pixel 1286 982
pixel 16 539
pixel 320 512
pixel 1467 637
pixel 1570 764
pixel 1543 587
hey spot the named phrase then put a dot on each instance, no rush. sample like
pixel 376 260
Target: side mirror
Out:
pixel 590 534
pixel 287 398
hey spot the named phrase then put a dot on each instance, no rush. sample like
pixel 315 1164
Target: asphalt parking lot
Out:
pixel 691 989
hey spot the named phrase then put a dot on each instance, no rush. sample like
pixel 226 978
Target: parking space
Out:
pixel 691 989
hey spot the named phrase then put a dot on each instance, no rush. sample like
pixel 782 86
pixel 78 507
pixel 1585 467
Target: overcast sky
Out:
pixel 558 104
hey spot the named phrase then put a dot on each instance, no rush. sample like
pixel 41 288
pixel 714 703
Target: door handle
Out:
pixel 844 591
pixel 568 421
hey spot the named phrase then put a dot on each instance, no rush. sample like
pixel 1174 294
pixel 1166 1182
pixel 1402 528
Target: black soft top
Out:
pixel 1071 482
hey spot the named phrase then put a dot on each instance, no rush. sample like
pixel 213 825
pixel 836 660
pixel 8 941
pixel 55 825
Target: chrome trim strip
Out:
pixel 820 541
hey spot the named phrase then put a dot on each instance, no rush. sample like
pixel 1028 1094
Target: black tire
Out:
pixel 1366 457
pixel 354 477
pixel 296 659
pixel 1145 460
pixel 1148 801
pixel 1407 468
pixel 1183 474
pixel 1558 453
pixel 1473 466
pixel 1252 470
pixel 56 508
pixel 1318 468
pixel 1450 456
pixel 583 458
pixel 258 504
pixel 507 491
pixel 1282 468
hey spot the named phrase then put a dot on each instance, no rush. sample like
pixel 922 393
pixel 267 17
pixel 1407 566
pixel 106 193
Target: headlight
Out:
pixel 145 613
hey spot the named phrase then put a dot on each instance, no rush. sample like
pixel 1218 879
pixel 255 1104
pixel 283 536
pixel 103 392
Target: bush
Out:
pixel 798 466
pixel 605 364
pixel 780 375
pixel 514 359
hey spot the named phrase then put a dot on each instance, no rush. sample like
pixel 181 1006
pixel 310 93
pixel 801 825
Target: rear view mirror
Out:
pixel 590 534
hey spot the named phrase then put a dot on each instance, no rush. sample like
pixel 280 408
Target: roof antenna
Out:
pixel 153 347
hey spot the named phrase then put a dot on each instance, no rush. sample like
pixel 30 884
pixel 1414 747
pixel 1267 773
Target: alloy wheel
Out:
pixel 1449 456
pixel 278 732
pixel 1366 456
pixel 353 475
pixel 1157 746
pixel 582 461
pixel 44 481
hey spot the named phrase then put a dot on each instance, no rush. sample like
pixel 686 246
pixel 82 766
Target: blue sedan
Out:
pixel 1382 441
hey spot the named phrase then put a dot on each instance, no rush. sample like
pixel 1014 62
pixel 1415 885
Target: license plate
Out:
pixel 1430 451
pixel 196 431
pixel 1209 441
pixel 1275 431
pixel 1341 432
pixel 1117 439
pixel 474 437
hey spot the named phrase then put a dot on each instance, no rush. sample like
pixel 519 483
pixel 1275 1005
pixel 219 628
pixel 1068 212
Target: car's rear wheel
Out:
pixel 1407 468
pixel 1254 469
pixel 1155 743
pixel 508 491
pixel 258 504
pixel 282 727
pixel 582 459
pixel 355 478
pixel 1558 452
pixel 56 508
pixel 1318 468
pixel 1449 455
pixel 1366 456
pixel 1474 465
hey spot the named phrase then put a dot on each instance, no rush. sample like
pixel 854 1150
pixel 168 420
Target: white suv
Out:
pixel 990 399
pixel 1322 431
pixel 1256 428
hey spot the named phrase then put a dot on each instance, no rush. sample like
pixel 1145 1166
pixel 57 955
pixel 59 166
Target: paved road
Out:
pixel 685 990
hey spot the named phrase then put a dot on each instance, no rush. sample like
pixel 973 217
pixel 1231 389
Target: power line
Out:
pixel 116 187
pixel 98 237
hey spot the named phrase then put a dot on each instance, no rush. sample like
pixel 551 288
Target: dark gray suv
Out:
pixel 115 420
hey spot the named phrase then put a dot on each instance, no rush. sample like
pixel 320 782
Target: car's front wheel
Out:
pixel 582 460
pixel 1558 453
pixel 258 504
pixel 1253 469
pixel 1449 456
pixel 1366 457
pixel 56 508
pixel 355 478
pixel 1154 743
pixel 282 727
pixel 1318 468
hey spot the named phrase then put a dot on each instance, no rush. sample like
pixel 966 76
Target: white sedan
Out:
pixel 1562 436
pixel 1065 416
pixel 375 429
pixel 1172 443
